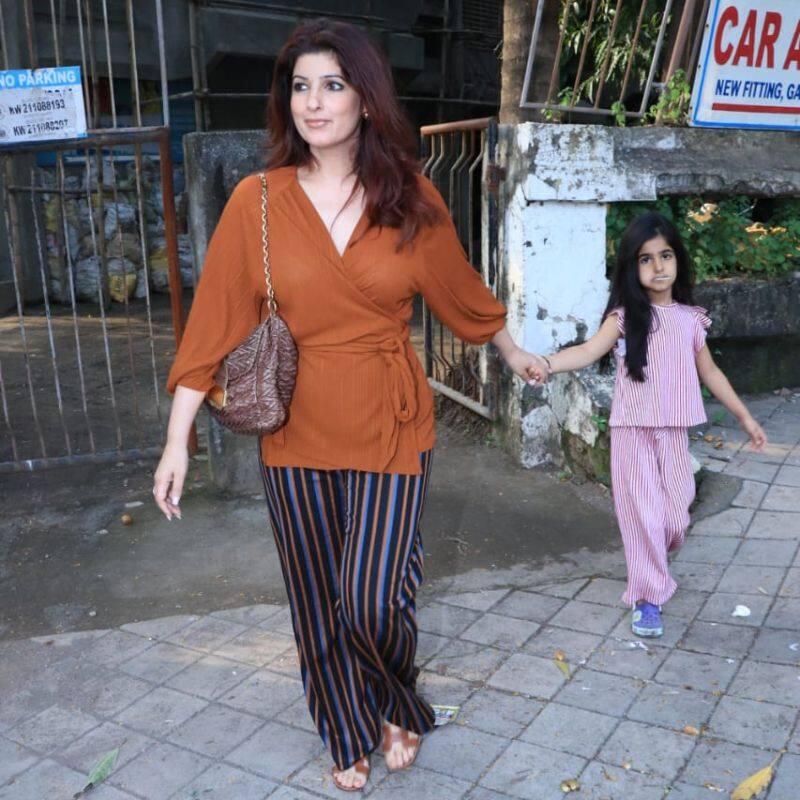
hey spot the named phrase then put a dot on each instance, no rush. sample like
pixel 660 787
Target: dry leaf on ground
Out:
pixel 755 784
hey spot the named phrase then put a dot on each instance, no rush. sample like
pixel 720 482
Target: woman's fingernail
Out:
pixel 175 500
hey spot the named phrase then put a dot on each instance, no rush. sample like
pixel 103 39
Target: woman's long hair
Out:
pixel 627 292
pixel 385 163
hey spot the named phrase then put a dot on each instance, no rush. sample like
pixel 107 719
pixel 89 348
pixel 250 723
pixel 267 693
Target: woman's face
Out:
pixel 326 110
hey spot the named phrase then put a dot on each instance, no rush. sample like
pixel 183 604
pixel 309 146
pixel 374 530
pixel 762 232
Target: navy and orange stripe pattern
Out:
pixel 351 556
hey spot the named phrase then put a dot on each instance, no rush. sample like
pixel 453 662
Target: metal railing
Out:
pixel 459 154
pixel 608 54
pixel 93 249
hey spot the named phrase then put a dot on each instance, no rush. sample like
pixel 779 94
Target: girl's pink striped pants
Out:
pixel 653 485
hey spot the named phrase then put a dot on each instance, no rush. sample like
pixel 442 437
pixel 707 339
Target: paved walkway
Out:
pixel 212 707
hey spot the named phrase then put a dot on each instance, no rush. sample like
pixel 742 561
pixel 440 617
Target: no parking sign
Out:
pixel 749 70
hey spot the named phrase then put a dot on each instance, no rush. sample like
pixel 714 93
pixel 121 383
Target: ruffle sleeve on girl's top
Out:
pixel 702 322
pixel 619 313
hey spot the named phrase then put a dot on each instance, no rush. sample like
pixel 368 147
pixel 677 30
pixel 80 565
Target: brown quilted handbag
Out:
pixel 255 382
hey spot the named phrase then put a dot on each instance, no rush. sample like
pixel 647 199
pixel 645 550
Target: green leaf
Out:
pixel 102 770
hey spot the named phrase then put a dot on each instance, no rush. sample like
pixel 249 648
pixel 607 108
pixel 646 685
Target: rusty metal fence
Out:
pixel 608 57
pixel 459 157
pixel 91 241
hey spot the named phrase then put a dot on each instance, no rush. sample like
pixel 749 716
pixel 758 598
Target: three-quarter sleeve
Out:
pixel 226 306
pixel 454 291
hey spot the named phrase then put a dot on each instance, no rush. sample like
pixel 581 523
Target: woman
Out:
pixel 355 232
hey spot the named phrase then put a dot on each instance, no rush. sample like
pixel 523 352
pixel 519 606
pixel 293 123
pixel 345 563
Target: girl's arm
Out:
pixel 529 366
pixel 714 378
pixel 581 355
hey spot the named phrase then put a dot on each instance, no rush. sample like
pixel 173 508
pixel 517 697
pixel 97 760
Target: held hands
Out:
pixel 756 433
pixel 168 479
pixel 530 367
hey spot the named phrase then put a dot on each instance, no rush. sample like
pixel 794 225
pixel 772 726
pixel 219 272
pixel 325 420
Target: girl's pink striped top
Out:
pixel 670 395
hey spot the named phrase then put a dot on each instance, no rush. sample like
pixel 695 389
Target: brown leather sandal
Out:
pixel 391 738
pixel 361 767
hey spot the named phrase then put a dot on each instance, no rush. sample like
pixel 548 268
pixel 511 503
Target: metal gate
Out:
pixel 92 247
pixel 459 155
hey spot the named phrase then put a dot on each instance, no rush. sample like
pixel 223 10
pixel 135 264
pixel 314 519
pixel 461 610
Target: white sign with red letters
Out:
pixel 748 75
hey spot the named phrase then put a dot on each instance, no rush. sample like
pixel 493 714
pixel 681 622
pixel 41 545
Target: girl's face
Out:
pixel 658 268
pixel 326 110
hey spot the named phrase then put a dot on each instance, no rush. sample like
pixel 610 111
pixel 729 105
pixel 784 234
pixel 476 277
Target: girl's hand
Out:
pixel 169 477
pixel 529 366
pixel 756 433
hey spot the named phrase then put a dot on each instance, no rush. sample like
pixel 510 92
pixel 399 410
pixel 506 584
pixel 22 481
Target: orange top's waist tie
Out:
pixel 400 400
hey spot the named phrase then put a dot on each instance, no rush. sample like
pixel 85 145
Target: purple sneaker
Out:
pixel 647 620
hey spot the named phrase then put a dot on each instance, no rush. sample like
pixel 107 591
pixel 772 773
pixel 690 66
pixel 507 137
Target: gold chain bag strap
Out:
pixel 255 382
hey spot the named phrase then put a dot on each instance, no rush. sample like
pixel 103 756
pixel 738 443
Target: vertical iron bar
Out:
pixel 584 50
pixel 557 58
pixel 84 64
pixel 56 40
pixel 162 65
pixel 40 250
pixel 30 34
pixel 3 40
pixel 17 275
pixel 112 94
pixel 92 63
pixel 102 293
pixel 194 47
pixel 73 304
pixel 632 55
pixel 6 417
pixel 604 69
pixel 656 52
pixel 143 243
pixel 526 82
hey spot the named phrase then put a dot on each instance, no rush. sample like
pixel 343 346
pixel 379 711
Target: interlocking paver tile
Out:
pixel 106 695
pixel 743 467
pixel 774 525
pixel 787 778
pixel 721 605
pixel 160 711
pixel 428 645
pixel 627 657
pixel 14 758
pixel 750 722
pixel 674 628
pixel 729 641
pixel 766 552
pixel 605 782
pixel 751 494
pixel 573 730
pixel 529 675
pixel 699 577
pixel 264 693
pixel 788 475
pixel 159 771
pixel 249 615
pixel 782 498
pixel 445 620
pixel 420 783
pixel 508 633
pixel 602 590
pixel 467 660
pixel 600 691
pixel 210 677
pixel 587 617
pixel 477 601
pixel 115 647
pixel 207 634
pixel 759 680
pixel 779 646
pixel 52 728
pixel 83 754
pixel 215 731
pixel 443 689
pixel 567 588
pixel 791 585
pixel 160 662
pixel 708 549
pixel 785 613
pixel 461 752
pixel 648 749
pixel 576 646
pixel 745 579
pixel 529 605
pixel 723 764
pixel 498 712
pixel 672 706
pixel 276 751
pixel 527 771
pixel 160 628
pixel 697 670
pixel 731 522
pixel 223 782
pixel 45 780
pixel 256 647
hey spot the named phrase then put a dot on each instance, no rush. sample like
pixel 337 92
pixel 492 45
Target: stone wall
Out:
pixel 559 179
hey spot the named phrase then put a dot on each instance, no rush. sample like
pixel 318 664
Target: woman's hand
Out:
pixel 756 433
pixel 530 367
pixel 169 478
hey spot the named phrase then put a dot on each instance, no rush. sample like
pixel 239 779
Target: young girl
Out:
pixel 661 349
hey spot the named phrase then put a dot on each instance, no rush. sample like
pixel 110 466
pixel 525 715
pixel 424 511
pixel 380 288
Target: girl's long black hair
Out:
pixel 627 292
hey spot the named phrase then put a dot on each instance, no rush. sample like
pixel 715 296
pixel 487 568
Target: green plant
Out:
pixel 618 111
pixel 718 418
pixel 673 102
pixel 600 421
pixel 731 235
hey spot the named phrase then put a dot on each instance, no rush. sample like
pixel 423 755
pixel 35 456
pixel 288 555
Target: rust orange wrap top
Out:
pixel 361 400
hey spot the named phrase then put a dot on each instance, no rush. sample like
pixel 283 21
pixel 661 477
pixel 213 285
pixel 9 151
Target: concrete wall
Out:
pixel 559 179
pixel 215 163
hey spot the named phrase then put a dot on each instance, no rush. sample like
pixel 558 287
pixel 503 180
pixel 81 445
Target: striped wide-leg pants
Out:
pixel 653 486
pixel 351 555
